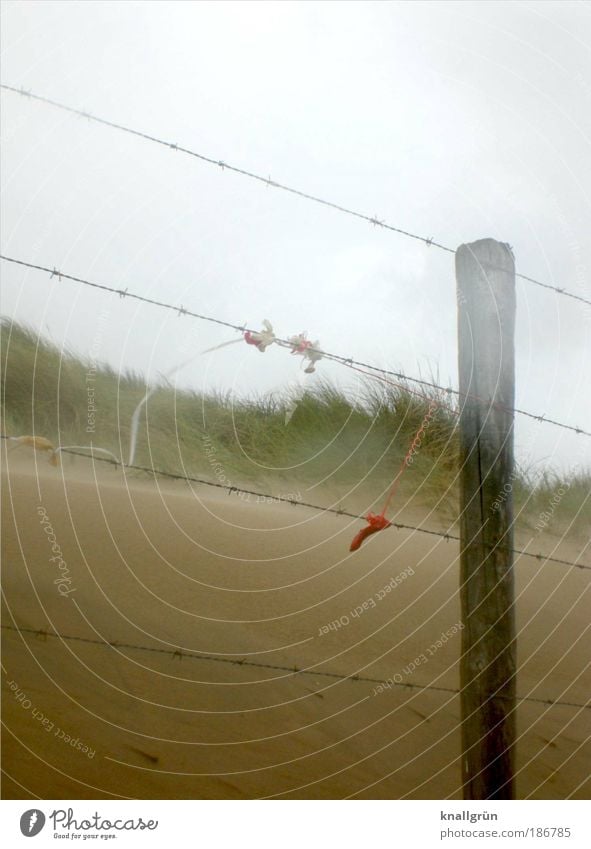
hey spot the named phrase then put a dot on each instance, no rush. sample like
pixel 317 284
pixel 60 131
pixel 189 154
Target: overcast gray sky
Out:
pixel 453 120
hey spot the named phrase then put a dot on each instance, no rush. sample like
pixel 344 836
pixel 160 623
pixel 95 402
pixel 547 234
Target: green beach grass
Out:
pixel 352 448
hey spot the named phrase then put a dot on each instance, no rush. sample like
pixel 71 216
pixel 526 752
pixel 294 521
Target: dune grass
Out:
pixel 351 446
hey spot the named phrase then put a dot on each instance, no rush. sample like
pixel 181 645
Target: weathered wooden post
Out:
pixel 485 273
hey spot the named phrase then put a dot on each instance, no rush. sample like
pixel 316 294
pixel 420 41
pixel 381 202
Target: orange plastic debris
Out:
pixel 38 443
pixel 375 523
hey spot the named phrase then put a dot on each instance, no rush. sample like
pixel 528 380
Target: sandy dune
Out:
pixel 158 568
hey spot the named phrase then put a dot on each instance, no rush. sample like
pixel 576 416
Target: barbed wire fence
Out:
pixel 341 359
pixel 347 361
pixel 226 166
pixel 336 511
pixel 350 362
pixel 293 669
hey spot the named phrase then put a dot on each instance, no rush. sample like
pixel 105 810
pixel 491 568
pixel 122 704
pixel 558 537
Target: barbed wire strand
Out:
pixel 371 219
pixel 225 166
pixel 337 511
pixel 346 361
pixel 294 669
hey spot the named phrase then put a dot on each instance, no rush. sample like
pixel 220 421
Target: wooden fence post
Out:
pixel 485 274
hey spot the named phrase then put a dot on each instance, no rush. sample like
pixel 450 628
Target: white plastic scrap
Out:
pixel 308 350
pixel 313 354
pixel 263 338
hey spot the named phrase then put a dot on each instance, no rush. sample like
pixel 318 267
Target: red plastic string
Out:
pixel 375 523
pixel 433 406
pixel 302 347
pixel 379 522
pixel 251 340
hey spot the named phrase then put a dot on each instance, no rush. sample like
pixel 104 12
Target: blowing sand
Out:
pixel 148 572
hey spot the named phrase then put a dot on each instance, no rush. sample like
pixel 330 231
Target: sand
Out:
pixel 152 571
